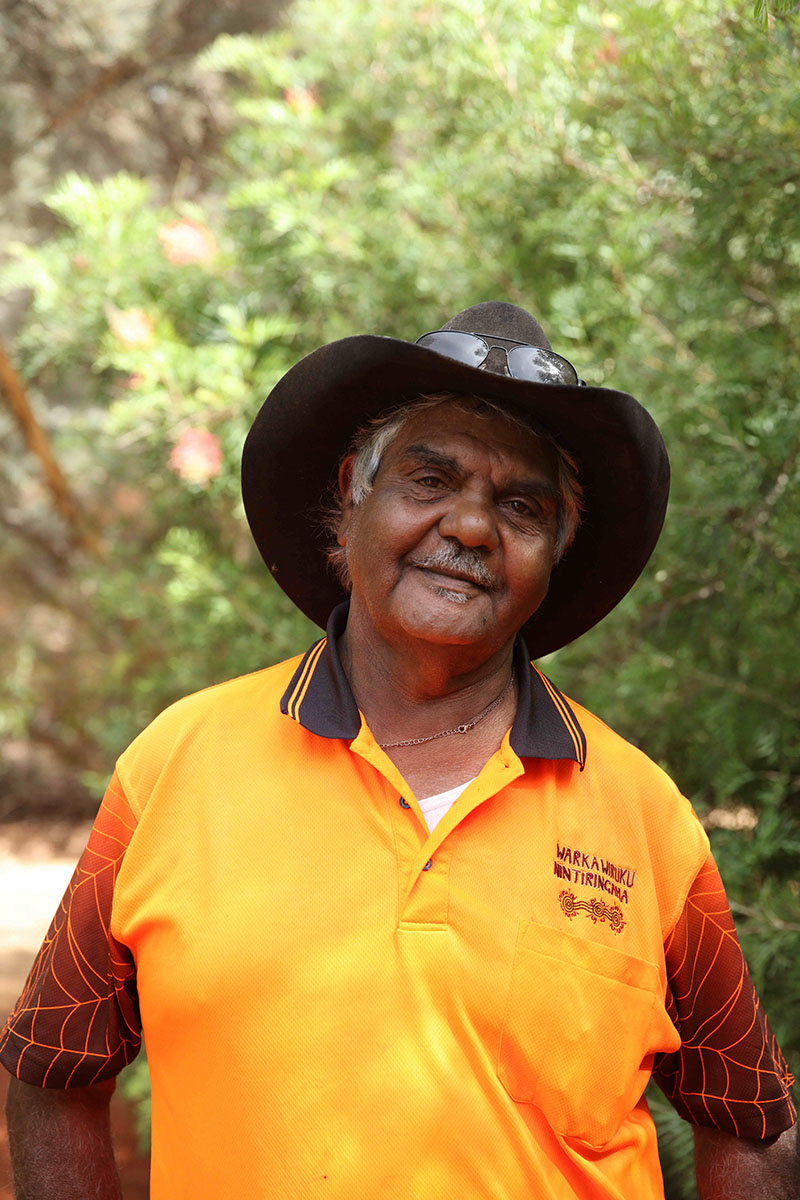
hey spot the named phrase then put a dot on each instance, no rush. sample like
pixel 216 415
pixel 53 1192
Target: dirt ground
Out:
pixel 36 861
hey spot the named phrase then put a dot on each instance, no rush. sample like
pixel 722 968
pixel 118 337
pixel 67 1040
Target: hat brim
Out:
pixel 306 424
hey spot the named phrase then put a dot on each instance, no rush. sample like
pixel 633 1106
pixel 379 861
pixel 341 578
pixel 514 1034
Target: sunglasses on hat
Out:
pixel 524 362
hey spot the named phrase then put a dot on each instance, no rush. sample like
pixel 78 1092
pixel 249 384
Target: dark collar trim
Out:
pixel 545 726
pixel 319 698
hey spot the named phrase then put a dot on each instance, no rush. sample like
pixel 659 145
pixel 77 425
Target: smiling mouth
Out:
pixel 456 585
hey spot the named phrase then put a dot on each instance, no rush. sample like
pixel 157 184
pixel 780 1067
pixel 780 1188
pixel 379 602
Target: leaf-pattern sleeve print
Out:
pixel 77 1020
pixel 729 1072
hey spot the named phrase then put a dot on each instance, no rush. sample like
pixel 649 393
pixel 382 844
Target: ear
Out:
pixel 346 492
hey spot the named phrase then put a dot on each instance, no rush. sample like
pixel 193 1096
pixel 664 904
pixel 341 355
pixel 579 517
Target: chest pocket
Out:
pixel 579 1021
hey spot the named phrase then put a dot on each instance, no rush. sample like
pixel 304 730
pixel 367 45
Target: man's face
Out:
pixel 454 545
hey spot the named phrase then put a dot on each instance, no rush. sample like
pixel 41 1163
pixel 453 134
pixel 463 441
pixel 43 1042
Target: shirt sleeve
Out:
pixel 77 1020
pixel 729 1071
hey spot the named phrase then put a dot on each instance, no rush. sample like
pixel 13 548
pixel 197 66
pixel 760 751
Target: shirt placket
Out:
pixel 423 858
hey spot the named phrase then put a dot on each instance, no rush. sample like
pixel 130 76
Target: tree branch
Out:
pixel 733 685
pixel 39 445
pixel 112 76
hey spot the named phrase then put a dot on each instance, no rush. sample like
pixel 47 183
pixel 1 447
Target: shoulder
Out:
pixel 624 786
pixel 230 695
pixel 609 753
pixel 223 701
pixel 621 770
pixel 208 725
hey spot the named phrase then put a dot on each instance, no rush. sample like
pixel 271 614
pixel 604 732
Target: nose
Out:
pixel 471 521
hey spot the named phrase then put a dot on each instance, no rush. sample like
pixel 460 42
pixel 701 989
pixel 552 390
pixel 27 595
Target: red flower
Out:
pixel 300 100
pixel 187 241
pixel 196 456
pixel 133 326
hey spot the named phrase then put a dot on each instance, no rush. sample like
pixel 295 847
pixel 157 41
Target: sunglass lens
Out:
pixel 540 366
pixel 463 347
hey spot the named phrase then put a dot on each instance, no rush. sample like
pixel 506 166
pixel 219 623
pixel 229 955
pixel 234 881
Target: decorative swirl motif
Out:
pixel 597 909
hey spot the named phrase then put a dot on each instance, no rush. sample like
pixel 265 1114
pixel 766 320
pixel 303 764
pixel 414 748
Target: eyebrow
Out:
pixel 431 457
pixel 434 458
pixel 528 487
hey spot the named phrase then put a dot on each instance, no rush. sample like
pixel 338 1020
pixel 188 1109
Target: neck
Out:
pixel 418 688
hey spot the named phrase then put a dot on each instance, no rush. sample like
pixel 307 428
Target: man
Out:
pixel 396 917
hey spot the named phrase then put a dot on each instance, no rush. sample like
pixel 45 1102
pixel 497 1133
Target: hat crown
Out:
pixel 498 319
pixel 306 424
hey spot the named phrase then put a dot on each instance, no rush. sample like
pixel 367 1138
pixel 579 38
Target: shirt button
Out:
pixel 404 803
pixel 428 865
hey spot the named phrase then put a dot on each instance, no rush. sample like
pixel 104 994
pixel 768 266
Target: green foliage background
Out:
pixel 629 174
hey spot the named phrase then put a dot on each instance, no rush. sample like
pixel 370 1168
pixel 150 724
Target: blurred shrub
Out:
pixel 624 174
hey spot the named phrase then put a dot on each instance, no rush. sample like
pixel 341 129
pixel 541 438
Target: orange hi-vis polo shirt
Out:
pixel 338 1004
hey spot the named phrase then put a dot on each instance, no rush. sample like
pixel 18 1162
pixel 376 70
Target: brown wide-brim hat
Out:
pixel 306 424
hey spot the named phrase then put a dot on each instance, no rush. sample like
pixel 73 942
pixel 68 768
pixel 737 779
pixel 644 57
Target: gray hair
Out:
pixel 372 439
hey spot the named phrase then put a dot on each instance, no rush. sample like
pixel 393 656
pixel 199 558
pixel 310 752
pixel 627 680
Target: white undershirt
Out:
pixel 434 807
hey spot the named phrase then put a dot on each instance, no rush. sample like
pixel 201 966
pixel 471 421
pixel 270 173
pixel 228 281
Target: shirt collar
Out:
pixel 319 698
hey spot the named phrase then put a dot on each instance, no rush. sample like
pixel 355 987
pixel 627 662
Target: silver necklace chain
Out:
pixel 458 728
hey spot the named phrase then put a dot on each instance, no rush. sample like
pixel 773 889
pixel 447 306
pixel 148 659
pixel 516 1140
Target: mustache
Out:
pixel 464 561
